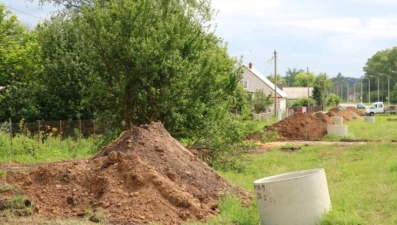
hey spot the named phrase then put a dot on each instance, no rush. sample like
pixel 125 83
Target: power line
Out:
pixel 23 12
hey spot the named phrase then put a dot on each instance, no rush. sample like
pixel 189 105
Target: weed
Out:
pixel 6 187
pixel 270 136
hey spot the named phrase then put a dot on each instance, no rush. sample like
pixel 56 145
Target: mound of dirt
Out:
pixel 348 113
pixel 324 117
pixel 355 110
pixel 301 126
pixel 144 176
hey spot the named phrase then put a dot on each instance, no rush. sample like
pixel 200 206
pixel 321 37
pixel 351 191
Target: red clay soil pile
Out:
pixel 144 176
pixel 301 126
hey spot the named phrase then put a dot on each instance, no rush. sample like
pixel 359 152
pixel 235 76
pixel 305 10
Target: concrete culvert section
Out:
pixel 298 198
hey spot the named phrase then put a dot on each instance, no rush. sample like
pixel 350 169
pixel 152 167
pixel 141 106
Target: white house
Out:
pixel 295 93
pixel 253 80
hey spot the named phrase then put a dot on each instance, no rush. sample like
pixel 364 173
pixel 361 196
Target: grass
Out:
pixel 22 149
pixel 362 178
pixel 384 128
pixel 361 181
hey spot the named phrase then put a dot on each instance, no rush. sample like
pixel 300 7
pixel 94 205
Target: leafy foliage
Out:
pixel 291 74
pixel 317 95
pixel 65 76
pixel 18 69
pixel 226 137
pixel 333 100
pixel 174 70
pixel 279 78
pixel 379 66
pixel 304 79
pixel 260 101
pixel 303 102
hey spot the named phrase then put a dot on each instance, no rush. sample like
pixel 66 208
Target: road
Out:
pixel 348 104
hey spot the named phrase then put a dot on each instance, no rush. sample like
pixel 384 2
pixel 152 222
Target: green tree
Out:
pixel 317 95
pixel 147 61
pixel 303 78
pixel 333 100
pixel 18 69
pixel 280 79
pixel 322 84
pixel 65 77
pixel 260 101
pixel 382 63
pixel 290 76
pixel 303 102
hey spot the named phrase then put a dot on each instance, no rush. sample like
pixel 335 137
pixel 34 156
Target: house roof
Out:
pixel 266 81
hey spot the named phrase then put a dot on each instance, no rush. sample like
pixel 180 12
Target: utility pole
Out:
pixel 378 89
pixel 275 83
pixel 388 90
pixel 325 94
pixel 341 91
pixel 308 92
pixel 361 93
pixel 354 92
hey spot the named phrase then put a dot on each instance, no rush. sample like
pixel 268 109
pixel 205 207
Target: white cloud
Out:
pixel 344 32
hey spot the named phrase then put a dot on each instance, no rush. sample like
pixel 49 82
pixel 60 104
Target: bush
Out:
pixel 226 138
pixel 333 100
pixel 303 102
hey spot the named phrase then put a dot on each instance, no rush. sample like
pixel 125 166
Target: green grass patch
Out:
pixel 382 129
pixel 23 149
pixel 362 179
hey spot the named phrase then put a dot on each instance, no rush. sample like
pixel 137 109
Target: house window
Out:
pixel 245 84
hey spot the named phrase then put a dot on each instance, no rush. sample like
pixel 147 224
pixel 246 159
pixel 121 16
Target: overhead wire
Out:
pixel 7 6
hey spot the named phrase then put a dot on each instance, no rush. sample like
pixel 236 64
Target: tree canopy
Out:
pixel 135 61
pixel 19 54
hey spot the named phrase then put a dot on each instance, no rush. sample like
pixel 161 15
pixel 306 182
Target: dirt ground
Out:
pixel 144 176
pixel 303 126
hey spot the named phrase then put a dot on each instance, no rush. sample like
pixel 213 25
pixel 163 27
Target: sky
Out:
pixel 325 36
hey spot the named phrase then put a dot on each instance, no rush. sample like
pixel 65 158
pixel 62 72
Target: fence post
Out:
pixel 79 130
pixel 12 150
pixel 38 136
pixel 93 122
pixel 60 133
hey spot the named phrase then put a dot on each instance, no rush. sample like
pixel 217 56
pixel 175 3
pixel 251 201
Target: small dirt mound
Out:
pixel 348 113
pixel 301 126
pixel 355 110
pixel 324 117
pixel 144 176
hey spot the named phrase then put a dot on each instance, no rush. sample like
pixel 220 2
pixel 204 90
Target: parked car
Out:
pixel 360 105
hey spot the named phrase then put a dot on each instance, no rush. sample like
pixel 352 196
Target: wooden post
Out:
pixel 93 121
pixel 275 84
pixel 38 136
pixel 60 133
pixel 12 150
pixel 79 130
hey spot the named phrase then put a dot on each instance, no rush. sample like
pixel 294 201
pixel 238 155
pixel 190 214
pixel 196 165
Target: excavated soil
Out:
pixel 303 126
pixel 144 176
